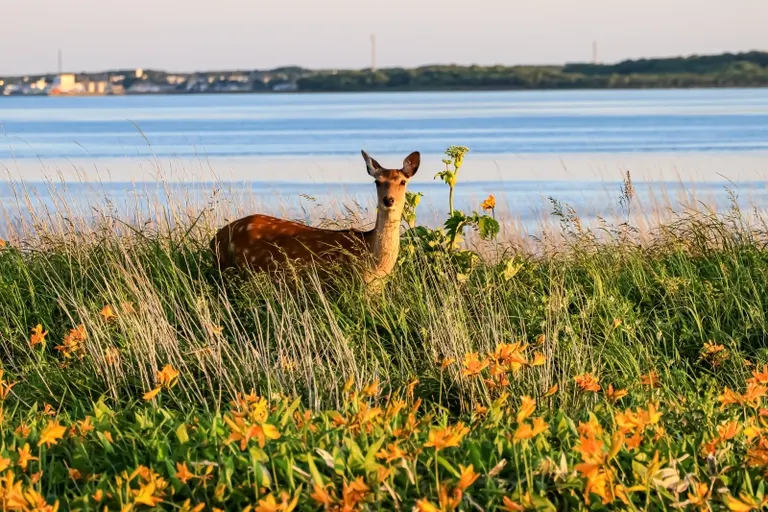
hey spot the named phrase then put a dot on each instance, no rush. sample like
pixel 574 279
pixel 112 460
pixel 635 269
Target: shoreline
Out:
pixel 401 90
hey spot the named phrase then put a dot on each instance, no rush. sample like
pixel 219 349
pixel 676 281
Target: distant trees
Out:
pixel 734 70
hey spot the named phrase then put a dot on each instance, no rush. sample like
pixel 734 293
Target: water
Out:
pixel 274 125
pixel 520 142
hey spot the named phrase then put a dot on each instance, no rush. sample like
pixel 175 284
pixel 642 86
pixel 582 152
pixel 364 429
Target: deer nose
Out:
pixel 389 201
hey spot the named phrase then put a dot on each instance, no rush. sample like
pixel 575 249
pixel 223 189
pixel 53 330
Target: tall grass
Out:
pixel 613 300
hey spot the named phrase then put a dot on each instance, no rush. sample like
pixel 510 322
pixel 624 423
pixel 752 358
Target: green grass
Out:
pixel 609 302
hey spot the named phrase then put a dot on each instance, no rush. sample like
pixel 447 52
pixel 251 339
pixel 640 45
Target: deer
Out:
pixel 264 243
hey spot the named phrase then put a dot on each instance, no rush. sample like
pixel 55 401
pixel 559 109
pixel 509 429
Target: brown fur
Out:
pixel 265 243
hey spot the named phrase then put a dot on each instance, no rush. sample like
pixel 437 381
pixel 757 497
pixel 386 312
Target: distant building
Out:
pixel 97 87
pixel 139 73
pixel 176 79
pixel 66 84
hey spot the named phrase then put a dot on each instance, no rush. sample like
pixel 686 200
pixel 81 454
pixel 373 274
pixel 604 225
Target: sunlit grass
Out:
pixel 589 365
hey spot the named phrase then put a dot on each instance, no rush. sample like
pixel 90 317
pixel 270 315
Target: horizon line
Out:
pixel 321 69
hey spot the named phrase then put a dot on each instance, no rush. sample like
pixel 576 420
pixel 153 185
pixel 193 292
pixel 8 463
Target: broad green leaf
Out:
pixel 181 433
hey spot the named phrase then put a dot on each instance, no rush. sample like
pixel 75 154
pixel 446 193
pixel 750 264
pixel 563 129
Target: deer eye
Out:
pixel 402 183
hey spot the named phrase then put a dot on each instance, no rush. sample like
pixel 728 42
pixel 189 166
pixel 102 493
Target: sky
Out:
pixel 189 35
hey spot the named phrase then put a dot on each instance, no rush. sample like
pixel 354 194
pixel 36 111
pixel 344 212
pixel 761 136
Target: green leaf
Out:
pixel 447 465
pixel 511 268
pixel 356 457
pixel 182 434
pixel 370 456
pixel 488 227
pixel 313 470
pixel 105 443
pixel 289 412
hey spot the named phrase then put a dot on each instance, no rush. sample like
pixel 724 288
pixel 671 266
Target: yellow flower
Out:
pixel 467 477
pixel 489 203
pixel 729 430
pixel 587 382
pixel 4 463
pixel 446 437
pixel 167 376
pixel 473 366
pixel 615 395
pixel 538 359
pixel 390 453
pixel 651 379
pixel 146 495
pixel 448 361
pixel 107 313
pixel 51 434
pixel 149 395
pixel 527 408
pixel 539 426
pixel 74 343
pixel 183 473
pixel 25 457
pixel 371 389
pixel 511 506
pixel 744 504
pixel 551 391
pixel 38 335
pixel 524 431
pixel 321 495
pixel 699 495
pixel 424 505
pixel 598 481
pixel 243 432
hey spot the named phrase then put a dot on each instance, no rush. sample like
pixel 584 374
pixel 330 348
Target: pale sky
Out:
pixel 188 35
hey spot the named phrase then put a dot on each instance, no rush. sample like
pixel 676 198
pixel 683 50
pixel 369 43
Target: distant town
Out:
pixel 748 69
pixel 139 81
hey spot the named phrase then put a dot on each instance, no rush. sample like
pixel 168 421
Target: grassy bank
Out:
pixel 588 370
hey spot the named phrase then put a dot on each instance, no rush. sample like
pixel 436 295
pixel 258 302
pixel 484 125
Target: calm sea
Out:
pixel 551 122
pixel 296 127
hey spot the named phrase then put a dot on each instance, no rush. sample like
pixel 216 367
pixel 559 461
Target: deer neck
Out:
pixel 384 244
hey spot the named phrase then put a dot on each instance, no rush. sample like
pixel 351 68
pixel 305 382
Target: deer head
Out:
pixel 391 183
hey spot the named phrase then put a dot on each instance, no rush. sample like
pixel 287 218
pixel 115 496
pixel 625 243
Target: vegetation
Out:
pixel 607 369
pixel 726 70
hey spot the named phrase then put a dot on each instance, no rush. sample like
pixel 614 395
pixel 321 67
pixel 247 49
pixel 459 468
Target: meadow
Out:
pixel 592 367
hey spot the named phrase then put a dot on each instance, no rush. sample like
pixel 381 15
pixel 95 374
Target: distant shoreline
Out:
pixel 394 90
pixel 726 70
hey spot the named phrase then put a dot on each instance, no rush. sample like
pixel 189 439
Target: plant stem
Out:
pixel 450 199
pixel 437 478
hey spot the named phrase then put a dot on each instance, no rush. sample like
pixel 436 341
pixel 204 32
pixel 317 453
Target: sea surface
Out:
pixel 292 125
pixel 293 152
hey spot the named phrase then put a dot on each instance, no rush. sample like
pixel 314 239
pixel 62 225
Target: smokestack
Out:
pixel 373 53
pixel 594 52
pixel 60 61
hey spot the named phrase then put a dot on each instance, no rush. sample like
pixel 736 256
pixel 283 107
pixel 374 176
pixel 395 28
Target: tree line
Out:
pixel 725 70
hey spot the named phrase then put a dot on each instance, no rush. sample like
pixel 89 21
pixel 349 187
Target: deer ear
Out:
pixel 372 165
pixel 411 164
